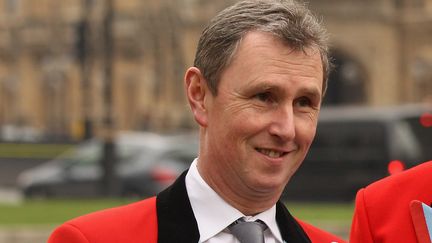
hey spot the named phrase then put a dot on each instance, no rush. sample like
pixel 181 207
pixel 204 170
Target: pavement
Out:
pixel 10 195
pixel 25 234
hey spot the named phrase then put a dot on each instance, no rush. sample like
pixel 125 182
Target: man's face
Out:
pixel 263 119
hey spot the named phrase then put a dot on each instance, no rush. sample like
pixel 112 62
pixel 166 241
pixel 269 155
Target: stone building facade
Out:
pixel 382 49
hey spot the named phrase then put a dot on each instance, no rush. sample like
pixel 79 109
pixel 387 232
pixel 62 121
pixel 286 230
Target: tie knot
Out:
pixel 248 232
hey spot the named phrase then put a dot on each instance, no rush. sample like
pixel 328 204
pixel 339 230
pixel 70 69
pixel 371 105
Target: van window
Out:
pixel 424 137
pixel 349 140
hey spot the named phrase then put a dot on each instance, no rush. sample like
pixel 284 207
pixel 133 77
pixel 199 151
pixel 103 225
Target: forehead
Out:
pixel 261 57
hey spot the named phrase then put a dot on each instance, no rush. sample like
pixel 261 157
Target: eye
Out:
pixel 303 102
pixel 264 97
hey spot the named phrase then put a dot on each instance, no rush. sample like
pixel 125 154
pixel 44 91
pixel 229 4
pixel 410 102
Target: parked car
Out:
pixel 354 146
pixel 147 163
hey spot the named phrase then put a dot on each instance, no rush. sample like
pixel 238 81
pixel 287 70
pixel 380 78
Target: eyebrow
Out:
pixel 251 88
pixel 310 91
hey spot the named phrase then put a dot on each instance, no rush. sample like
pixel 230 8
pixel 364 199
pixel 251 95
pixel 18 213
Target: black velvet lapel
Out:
pixel 291 231
pixel 176 221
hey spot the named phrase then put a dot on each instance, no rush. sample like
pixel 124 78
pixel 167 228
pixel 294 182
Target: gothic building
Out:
pixel 68 66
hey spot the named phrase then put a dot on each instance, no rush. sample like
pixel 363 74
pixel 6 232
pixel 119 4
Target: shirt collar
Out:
pixel 211 222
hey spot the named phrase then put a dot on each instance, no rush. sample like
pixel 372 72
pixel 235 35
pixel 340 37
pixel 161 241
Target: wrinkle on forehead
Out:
pixel 275 73
pixel 261 43
pixel 264 60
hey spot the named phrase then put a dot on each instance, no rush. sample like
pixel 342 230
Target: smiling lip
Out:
pixel 272 153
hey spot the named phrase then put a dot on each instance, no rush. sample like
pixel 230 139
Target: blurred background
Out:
pixel 92 105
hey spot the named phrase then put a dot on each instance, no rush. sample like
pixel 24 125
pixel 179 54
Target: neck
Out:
pixel 246 200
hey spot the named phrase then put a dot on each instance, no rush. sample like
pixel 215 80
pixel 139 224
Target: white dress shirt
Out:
pixel 214 215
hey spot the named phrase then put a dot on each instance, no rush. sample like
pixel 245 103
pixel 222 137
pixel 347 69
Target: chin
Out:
pixel 271 184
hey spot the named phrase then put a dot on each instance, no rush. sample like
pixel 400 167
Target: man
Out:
pixel 395 209
pixel 255 90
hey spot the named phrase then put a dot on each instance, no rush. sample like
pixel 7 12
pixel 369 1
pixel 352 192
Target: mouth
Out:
pixel 271 153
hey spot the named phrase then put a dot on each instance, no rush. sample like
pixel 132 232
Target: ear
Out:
pixel 196 92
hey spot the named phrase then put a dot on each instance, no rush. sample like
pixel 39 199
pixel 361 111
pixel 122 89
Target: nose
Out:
pixel 282 123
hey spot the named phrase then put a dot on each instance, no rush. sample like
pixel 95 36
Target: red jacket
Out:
pixel 167 218
pixel 382 211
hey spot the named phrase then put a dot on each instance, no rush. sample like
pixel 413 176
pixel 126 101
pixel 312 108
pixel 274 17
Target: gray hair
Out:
pixel 288 20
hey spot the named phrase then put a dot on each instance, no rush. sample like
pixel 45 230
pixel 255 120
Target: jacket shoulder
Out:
pixel 382 208
pixel 318 235
pixel 408 185
pixel 120 224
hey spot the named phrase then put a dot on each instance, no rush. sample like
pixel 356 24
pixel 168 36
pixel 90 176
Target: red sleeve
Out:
pixel 136 222
pixel 360 228
pixel 67 234
pixel 317 235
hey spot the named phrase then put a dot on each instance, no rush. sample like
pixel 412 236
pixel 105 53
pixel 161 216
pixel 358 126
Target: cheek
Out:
pixel 305 132
pixel 241 121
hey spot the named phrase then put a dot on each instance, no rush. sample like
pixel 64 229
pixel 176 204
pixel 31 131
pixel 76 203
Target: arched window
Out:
pixel 347 81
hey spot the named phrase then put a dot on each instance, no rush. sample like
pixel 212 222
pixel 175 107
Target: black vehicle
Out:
pixel 354 146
